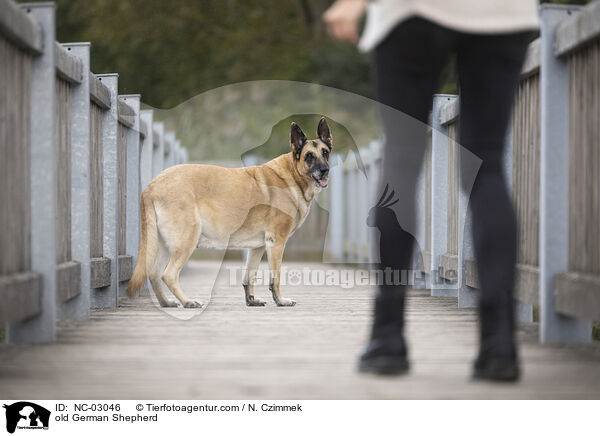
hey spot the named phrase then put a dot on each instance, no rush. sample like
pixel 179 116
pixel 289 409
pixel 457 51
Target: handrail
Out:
pixel 577 31
pixel 17 26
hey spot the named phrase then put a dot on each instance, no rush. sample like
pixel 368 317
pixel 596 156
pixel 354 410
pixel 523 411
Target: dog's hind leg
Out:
pixel 162 258
pixel 254 256
pixel 181 241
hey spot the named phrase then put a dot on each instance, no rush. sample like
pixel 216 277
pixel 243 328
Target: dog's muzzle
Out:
pixel 321 177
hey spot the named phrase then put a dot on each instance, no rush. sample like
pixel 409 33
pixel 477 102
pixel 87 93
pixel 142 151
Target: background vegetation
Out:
pixel 171 51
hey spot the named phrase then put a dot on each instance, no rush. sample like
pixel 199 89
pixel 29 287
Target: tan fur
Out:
pixel 256 208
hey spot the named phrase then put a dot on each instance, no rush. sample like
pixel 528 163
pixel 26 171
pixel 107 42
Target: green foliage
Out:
pixel 172 51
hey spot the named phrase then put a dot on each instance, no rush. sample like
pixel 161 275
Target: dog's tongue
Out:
pixel 323 182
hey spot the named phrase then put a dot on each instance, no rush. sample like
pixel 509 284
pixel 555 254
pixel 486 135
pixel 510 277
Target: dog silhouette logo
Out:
pixel 26 415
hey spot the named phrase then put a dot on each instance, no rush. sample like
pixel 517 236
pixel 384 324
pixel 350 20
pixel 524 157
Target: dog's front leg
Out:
pixel 275 255
pixel 252 263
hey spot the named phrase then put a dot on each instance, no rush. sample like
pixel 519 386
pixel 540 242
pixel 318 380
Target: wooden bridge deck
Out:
pixel 308 351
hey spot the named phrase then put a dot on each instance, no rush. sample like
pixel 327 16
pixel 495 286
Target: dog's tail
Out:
pixel 148 246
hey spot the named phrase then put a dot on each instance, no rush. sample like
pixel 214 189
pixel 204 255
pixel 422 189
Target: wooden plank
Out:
pixel 96 182
pixel 527 284
pixel 450 111
pixel 584 160
pixel 167 146
pixel 452 199
pixel 471 278
pixel 17 26
pixel 143 129
pixel 99 272
pixel 578 294
pixel 573 33
pixel 99 93
pixel 125 267
pixel 20 295
pixel 15 104
pixel 69 68
pixel 155 138
pixel 126 113
pixel 526 168
pixel 531 64
pixel 68 280
pixel 449 267
pixel 304 352
pixel 425 261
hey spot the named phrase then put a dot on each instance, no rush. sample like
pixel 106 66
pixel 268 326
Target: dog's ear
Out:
pixel 323 132
pixel 297 140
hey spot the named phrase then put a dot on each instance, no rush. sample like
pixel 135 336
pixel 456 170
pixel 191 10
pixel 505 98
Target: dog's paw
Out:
pixel 286 302
pixel 255 302
pixel 169 304
pixel 192 305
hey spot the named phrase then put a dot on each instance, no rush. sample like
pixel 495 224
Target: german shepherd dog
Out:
pixel 256 208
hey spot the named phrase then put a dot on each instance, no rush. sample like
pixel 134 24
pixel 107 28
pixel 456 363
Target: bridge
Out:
pixel 76 156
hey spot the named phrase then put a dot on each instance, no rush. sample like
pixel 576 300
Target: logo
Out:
pixel 26 415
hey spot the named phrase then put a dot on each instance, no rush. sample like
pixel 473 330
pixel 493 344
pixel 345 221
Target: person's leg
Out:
pixel 489 67
pixel 408 64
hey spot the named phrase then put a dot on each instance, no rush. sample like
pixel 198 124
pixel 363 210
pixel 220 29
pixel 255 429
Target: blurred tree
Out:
pixel 171 51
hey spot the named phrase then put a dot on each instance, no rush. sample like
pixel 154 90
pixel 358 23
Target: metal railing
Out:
pixel 75 157
pixel 552 163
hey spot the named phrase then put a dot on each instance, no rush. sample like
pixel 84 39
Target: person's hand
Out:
pixel 342 19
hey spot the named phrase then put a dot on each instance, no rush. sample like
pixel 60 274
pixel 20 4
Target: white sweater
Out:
pixel 471 16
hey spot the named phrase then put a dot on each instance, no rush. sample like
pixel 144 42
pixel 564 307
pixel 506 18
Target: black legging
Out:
pixel 408 65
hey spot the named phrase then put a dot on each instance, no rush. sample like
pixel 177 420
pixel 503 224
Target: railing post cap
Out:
pixel 558 7
pixel 39 5
pixel 448 96
pixel 76 44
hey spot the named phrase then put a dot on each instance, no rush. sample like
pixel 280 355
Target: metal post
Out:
pixel 363 203
pixel 335 228
pixel 350 187
pixel 169 149
pixel 107 296
pixel 469 166
pixel 147 147
pixel 42 328
pixel 178 153
pixel 374 183
pixel 79 307
pixel 554 183
pixel 132 236
pixel 418 279
pixel 158 157
pixel 439 197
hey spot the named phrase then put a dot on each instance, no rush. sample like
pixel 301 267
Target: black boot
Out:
pixel 497 359
pixel 496 368
pixel 386 352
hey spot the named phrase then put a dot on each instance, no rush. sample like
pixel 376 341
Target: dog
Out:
pixel 255 208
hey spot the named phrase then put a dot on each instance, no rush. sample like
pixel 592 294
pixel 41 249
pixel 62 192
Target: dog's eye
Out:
pixel 325 154
pixel 309 157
